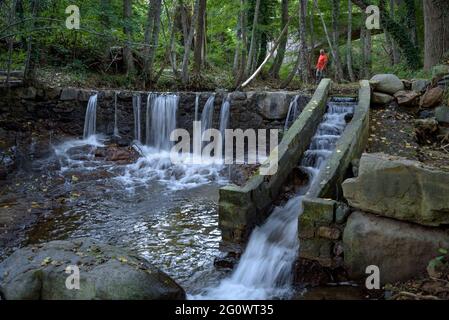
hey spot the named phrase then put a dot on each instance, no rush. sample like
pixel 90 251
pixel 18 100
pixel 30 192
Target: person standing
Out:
pixel 321 66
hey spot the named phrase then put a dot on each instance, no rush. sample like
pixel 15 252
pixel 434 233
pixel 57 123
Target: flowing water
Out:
pixel 207 115
pixel 116 131
pixel 225 114
pixel 293 112
pixel 137 105
pixel 90 122
pixel 265 269
pixel 166 212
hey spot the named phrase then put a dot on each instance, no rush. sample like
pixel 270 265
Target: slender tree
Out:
pixel 200 37
pixel 335 38
pixel 303 41
pixel 349 43
pixel 252 48
pixel 280 53
pixel 127 29
pixel 187 45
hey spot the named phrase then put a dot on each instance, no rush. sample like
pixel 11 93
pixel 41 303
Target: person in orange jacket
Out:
pixel 321 66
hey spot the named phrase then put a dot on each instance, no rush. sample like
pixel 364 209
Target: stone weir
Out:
pixel 252 109
pixel 43 115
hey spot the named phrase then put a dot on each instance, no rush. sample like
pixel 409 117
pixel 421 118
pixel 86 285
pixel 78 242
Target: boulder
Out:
pixel 442 114
pixel 105 272
pixel 407 84
pixel 69 94
pixel 399 188
pixel 273 105
pixel 406 98
pixel 440 70
pixel 420 85
pixel 379 98
pixel 387 83
pixel 401 250
pixel 432 97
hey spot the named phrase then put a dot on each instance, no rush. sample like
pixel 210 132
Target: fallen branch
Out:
pixel 275 46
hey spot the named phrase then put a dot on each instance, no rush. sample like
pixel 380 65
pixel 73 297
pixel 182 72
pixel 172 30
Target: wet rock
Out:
pixel 420 85
pixel 432 97
pixel 238 95
pixel 106 273
pixel 442 114
pixel 401 250
pixel 386 83
pixel 379 98
pixel 406 98
pixel 329 233
pixel 398 188
pixel 273 105
pixel 426 130
pixel 68 94
pixel 121 154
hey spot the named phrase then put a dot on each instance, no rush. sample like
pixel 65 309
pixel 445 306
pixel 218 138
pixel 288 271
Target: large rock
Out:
pixel 420 85
pixel 401 250
pixel 442 114
pixel 381 98
pixel 273 105
pixel 406 98
pixel 401 189
pixel 432 97
pixel 387 83
pixel 106 272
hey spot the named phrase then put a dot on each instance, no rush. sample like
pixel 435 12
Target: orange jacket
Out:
pixel 322 62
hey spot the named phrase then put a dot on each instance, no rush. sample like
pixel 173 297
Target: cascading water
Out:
pixel 207 114
pixel 137 102
pixel 163 120
pixel 224 116
pixel 116 132
pixel 90 121
pixel 197 106
pixel 265 269
pixel 293 112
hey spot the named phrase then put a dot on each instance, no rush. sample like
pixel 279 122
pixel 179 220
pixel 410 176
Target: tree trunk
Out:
pixel 127 29
pixel 252 47
pixel 335 37
pixel 349 44
pixel 302 41
pixel 396 55
pixel 30 59
pixel 200 35
pixel 280 53
pixel 365 43
pixel 332 49
pixel 244 43
pixel 187 46
pixel 436 31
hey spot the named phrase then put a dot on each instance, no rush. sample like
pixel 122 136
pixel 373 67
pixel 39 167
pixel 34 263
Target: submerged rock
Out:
pixel 401 250
pixel 399 188
pixel 105 272
pixel 386 83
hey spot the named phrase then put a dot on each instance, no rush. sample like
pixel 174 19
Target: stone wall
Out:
pixel 44 114
pixel 241 208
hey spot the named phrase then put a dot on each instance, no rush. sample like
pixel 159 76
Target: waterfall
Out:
pixel 265 269
pixel 150 100
pixel 90 121
pixel 197 105
pixel 161 121
pixel 207 114
pixel 136 108
pixel 116 132
pixel 293 110
pixel 224 116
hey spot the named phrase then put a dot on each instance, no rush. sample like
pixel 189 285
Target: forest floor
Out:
pixel 392 131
